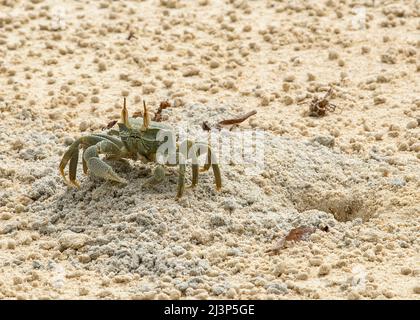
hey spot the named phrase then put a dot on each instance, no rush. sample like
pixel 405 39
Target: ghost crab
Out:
pixel 137 139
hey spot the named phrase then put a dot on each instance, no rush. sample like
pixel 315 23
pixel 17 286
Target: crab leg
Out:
pixel 195 171
pixel 181 180
pixel 197 149
pixel 192 153
pixel 207 165
pixel 73 168
pixel 68 156
pixel 74 150
pixel 212 162
pixel 217 176
pixel 85 167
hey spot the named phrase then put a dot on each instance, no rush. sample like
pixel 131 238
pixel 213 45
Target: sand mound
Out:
pixel 117 229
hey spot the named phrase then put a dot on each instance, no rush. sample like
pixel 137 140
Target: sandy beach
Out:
pixel 349 175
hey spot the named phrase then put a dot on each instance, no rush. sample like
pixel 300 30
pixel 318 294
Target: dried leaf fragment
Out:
pixel 294 235
pixel 158 115
pixel 300 233
pixel 110 125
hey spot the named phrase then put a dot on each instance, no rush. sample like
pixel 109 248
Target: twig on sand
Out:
pixel 229 122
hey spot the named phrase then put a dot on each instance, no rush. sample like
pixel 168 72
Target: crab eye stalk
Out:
pixel 146 118
pixel 124 114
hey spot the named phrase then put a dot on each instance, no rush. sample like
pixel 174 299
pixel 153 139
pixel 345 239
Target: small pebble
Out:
pixel 191 71
pixel 11 244
pixel 247 28
pixel 122 278
pixel 231 293
pixel 83 126
pixel 311 77
pixel 288 100
pixel 315 262
pixel 365 49
pixel 327 141
pixel 412 124
pixel 302 276
pixel 353 296
pixel 324 270
pixel 5 216
pixel 83 291
pixel 72 240
pixel 406 271
pixel 101 66
pixel 68 141
pixel 265 100
pixel 332 55
pixel 379 100
pixel 415 147
pixel 214 64
pixel 148 89
pixel 94 99
pixel 290 78
pixel 217 220
pixel 388 294
pixel 84 258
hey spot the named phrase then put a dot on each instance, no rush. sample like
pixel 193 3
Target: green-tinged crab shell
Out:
pixel 134 141
pixel 145 142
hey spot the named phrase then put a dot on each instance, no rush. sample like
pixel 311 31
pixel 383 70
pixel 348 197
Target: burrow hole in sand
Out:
pixel 344 206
